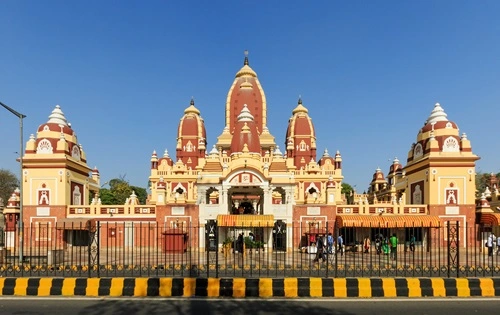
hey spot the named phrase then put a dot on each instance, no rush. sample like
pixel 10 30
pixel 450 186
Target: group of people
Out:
pixel 326 245
pixel 389 246
pixel 491 242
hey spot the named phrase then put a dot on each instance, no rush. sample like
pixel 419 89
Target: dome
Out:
pixel 326 157
pixel 437 128
pixel 246 70
pixel 378 176
pixel 395 167
pixel 166 157
pixel 300 108
pixel 300 123
pixel 55 130
pixel 438 120
pixel 191 109
pixel 57 117
pixel 57 122
pixel 191 123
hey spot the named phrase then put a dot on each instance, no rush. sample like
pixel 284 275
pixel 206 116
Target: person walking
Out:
pixel 367 244
pixel 329 243
pixel 412 243
pixel 340 244
pixel 489 244
pixel 378 245
pixel 320 253
pixel 498 245
pixel 393 242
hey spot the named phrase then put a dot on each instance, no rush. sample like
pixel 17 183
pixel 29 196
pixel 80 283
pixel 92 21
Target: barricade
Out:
pixel 254 288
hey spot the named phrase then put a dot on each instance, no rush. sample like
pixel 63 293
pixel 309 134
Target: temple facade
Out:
pixel 247 182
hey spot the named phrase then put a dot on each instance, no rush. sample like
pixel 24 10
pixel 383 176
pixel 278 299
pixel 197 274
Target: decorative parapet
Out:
pixel 382 208
pixel 112 210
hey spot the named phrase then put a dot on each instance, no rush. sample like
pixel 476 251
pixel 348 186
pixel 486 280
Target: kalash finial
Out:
pixel 246 58
pixel 300 99
pixel 192 101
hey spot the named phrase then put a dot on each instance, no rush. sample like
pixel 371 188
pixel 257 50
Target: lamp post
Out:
pixel 21 225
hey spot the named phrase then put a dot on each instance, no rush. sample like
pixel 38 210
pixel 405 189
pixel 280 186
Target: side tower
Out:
pixel 316 182
pixel 440 170
pixel 55 172
pixel 191 138
pixel 174 183
pixel 300 138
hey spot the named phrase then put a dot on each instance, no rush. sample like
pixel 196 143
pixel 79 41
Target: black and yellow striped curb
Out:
pixel 242 287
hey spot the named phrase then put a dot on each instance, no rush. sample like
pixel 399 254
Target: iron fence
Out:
pixel 288 250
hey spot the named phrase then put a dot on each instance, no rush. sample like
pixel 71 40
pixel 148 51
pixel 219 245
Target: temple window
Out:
pixel 418 151
pixel 44 147
pixel 302 146
pixel 450 145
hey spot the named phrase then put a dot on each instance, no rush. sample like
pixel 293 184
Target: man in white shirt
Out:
pixel 489 243
pixel 498 246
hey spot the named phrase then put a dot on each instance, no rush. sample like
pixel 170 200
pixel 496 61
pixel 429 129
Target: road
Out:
pixel 150 306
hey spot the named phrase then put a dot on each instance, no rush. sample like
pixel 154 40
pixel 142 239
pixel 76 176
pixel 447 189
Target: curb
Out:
pixel 242 287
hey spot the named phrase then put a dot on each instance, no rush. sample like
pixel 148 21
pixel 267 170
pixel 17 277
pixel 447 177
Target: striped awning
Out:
pixel 388 221
pixel 492 219
pixel 359 221
pixel 245 220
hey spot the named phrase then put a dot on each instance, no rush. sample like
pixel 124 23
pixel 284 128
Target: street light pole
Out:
pixel 21 150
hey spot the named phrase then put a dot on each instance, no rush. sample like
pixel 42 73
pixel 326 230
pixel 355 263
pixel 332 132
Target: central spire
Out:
pixel 245 63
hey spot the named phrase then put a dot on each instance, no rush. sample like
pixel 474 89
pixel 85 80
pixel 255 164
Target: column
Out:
pixel 224 198
pixel 268 199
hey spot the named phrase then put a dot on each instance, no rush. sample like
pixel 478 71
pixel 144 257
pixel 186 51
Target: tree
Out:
pixel 8 183
pixel 141 193
pixel 107 197
pixel 119 190
pixel 482 181
pixel 348 191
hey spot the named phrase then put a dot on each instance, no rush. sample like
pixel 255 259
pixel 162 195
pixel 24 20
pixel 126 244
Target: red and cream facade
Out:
pixel 245 179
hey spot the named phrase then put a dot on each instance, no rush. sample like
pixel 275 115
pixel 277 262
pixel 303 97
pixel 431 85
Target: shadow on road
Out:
pixel 207 306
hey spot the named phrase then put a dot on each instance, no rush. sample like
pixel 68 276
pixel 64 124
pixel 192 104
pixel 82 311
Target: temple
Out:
pixel 246 182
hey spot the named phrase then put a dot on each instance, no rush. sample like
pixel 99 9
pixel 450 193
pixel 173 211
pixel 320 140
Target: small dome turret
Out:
pixel 191 137
pixel 300 137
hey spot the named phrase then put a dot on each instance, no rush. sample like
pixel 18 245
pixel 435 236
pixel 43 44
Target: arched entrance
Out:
pixel 246 192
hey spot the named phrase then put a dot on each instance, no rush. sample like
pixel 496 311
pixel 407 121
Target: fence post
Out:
pixel 325 249
pixel 453 233
pixel 337 249
pixel 216 250
pixel 93 249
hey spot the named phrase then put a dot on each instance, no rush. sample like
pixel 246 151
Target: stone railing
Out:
pixel 111 210
pixel 382 208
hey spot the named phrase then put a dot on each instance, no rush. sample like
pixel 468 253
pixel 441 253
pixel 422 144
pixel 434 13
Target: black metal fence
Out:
pixel 146 250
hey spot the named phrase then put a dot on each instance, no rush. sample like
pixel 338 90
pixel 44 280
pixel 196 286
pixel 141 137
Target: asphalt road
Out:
pixel 149 306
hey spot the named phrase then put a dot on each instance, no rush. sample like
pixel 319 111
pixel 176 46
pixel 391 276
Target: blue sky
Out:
pixel 368 71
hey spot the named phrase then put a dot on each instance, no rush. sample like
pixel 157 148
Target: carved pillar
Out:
pixel 201 196
pixel 268 199
pixel 224 198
